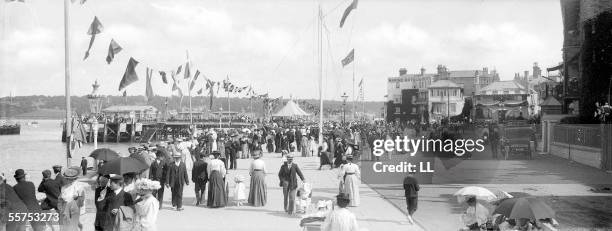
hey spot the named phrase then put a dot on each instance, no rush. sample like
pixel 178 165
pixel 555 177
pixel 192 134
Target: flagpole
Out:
pixel 354 99
pixel 190 109
pixel 320 46
pixel 228 104
pixel 68 125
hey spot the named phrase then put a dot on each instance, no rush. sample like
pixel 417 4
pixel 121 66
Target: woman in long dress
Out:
pixel 217 196
pixel 147 206
pixel 349 175
pixel 258 191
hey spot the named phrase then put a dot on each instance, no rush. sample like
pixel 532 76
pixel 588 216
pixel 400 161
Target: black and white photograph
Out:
pixel 306 115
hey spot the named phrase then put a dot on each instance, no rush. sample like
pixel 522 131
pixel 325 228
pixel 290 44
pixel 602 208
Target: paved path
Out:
pixel 374 213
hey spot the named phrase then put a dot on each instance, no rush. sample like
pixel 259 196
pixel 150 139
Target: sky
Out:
pixel 271 44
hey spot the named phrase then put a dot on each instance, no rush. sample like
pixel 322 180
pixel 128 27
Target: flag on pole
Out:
pixel 149 90
pixel 174 82
pixel 163 75
pixel 94 29
pixel 113 49
pixel 347 12
pixel 125 94
pixel 349 58
pixel 130 74
pixel 178 71
pixel 360 82
pixel 187 71
pixel 200 91
pixel 195 77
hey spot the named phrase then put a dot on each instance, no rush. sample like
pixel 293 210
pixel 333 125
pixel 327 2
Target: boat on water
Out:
pixel 12 129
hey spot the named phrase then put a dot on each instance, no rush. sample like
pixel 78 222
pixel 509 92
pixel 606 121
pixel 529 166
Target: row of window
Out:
pixel 444 92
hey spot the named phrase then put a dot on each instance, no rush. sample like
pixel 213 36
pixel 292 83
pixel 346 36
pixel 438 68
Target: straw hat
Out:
pixel 144 185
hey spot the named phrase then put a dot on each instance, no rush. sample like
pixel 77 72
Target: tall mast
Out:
pixel 320 50
pixel 67 79
pixel 189 87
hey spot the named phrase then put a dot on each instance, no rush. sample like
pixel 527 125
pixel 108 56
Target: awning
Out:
pixel 555 68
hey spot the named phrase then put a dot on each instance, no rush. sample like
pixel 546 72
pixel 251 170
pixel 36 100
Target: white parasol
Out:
pixel 474 191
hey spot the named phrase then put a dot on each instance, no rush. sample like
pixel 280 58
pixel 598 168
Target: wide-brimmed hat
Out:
pixel 216 153
pixel 343 197
pixel 285 152
pixel 56 166
pixel 289 157
pixel 115 177
pixel 72 173
pixel 349 157
pixel 144 185
pixel 19 173
pixel 176 155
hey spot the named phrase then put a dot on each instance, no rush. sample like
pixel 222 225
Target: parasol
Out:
pixel 524 207
pixel 474 191
pixel 123 165
pixel 104 154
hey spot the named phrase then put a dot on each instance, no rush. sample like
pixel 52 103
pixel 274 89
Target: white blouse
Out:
pixel 216 164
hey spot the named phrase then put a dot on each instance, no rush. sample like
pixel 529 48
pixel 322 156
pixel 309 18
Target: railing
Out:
pixel 589 136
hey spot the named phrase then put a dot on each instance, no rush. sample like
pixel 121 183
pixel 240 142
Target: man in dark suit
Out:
pixel 57 170
pixel 115 198
pixel 176 178
pixel 84 165
pixel 52 189
pixel 199 176
pixel 157 172
pixel 411 192
pixel 26 191
pixel 288 180
pixel 231 149
pixel 99 195
pixel 11 203
pixel 298 139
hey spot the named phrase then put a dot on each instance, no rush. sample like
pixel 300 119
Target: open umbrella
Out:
pixel 474 191
pixel 524 207
pixel 104 154
pixel 123 165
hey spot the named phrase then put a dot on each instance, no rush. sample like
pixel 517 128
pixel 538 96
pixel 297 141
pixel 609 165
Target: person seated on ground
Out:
pixel 548 224
pixel 340 219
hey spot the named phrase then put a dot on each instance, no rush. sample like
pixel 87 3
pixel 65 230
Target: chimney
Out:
pixel 485 71
pixel 526 75
pixel 402 71
pixel 422 71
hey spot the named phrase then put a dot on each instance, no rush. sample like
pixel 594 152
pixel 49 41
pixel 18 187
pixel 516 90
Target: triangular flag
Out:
pixel 361 82
pixel 195 77
pixel 174 81
pixel 178 71
pixel 130 74
pixel 187 71
pixel 211 96
pixel 94 29
pixel 163 75
pixel 349 58
pixel 113 49
pixel 149 90
pixel 200 91
pixel 347 12
pixel 124 93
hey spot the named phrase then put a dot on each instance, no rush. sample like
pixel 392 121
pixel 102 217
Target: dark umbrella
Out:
pixel 104 154
pixel 123 165
pixel 524 207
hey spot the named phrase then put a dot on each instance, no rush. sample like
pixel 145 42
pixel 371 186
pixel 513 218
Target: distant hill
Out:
pixel 52 107
pixel 43 114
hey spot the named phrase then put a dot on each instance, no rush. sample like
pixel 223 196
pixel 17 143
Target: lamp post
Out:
pixel 220 112
pixel 344 97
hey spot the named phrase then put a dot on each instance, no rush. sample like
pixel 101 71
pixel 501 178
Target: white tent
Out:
pixel 291 109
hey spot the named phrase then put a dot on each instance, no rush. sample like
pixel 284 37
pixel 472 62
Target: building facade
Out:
pixel 469 81
pixel 406 109
pixel 504 100
pixel 445 100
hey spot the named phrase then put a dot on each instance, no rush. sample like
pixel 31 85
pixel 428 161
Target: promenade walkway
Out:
pixel 374 213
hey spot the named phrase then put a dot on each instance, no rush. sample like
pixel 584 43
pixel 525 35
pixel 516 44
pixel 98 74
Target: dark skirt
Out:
pixel 258 191
pixel 324 159
pixel 217 197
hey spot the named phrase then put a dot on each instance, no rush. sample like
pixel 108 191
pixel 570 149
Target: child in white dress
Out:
pixel 239 190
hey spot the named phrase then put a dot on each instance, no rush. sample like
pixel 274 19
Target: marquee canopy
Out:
pixel 291 109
